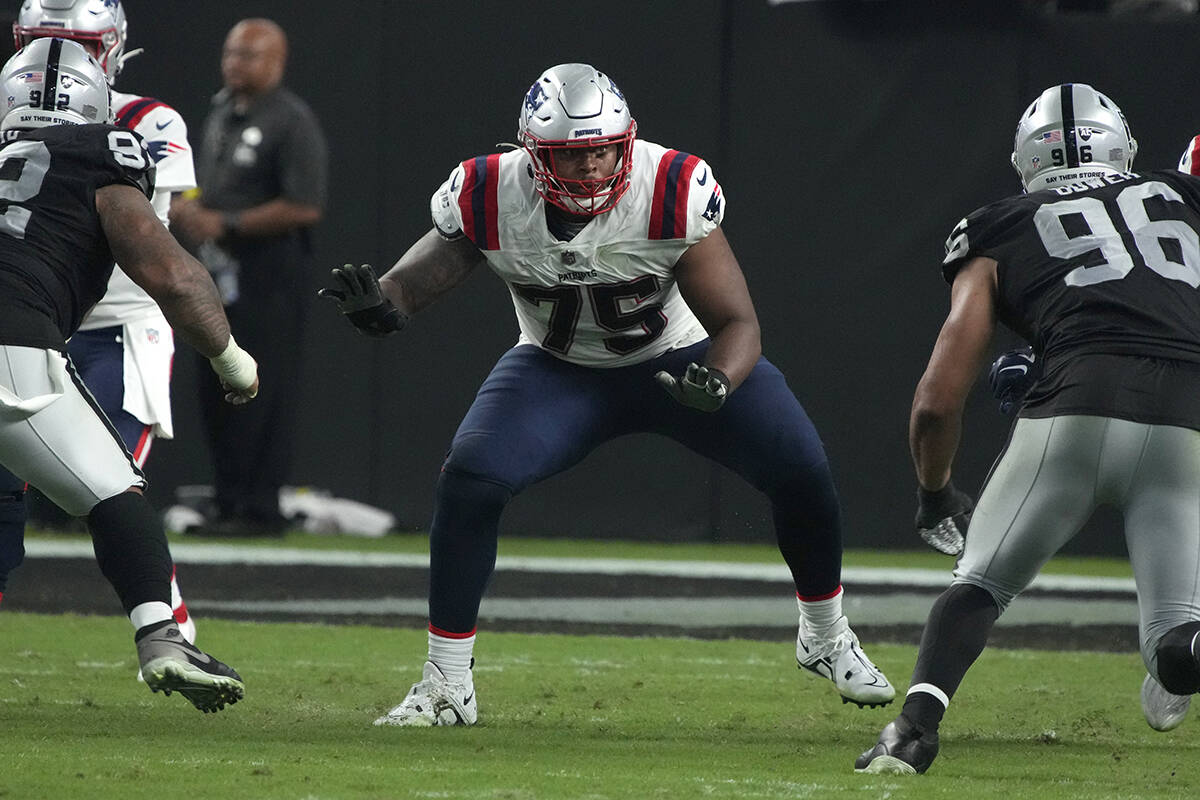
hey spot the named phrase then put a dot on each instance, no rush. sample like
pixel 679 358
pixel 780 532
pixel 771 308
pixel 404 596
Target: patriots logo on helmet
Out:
pixel 536 98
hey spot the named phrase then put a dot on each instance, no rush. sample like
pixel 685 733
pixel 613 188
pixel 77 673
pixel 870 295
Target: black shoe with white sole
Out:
pixel 170 663
pixel 902 749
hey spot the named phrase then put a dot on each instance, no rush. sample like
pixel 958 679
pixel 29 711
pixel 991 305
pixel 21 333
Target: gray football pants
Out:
pixel 53 434
pixel 1053 475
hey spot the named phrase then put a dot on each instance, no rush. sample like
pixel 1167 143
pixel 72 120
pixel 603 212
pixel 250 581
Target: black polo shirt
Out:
pixel 275 149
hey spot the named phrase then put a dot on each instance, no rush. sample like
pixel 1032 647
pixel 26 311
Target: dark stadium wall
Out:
pixel 849 137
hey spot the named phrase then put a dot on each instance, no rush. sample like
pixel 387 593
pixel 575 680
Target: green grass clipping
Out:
pixel 579 717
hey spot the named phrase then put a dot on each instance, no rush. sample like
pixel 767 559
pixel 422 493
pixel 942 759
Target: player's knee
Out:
pixel 1178 662
pixel 480 457
pixel 806 494
pixel 981 593
pixel 127 515
pixel 462 491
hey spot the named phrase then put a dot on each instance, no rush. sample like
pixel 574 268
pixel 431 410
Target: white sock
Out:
pixel 819 615
pixel 145 614
pixel 452 656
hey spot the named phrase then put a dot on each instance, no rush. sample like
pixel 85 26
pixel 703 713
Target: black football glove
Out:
pixel 356 292
pixel 1011 377
pixel 943 517
pixel 703 388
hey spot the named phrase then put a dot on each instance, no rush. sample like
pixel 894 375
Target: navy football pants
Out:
pixel 537 415
pixel 99 358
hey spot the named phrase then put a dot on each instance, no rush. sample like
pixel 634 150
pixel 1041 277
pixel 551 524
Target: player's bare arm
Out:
pixel 155 261
pixel 712 283
pixel 961 349
pixel 429 269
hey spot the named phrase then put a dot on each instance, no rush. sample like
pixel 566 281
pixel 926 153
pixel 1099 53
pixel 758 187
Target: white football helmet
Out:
pixel 575 106
pixel 1189 162
pixel 53 82
pixel 1071 132
pixel 98 25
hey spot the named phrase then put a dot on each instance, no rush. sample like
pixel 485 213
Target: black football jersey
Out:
pixel 54 259
pixel 1096 270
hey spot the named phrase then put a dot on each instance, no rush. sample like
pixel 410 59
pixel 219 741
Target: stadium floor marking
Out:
pixel 901 608
pixel 772 573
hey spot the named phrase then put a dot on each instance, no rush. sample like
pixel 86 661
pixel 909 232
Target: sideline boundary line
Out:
pixel 768 573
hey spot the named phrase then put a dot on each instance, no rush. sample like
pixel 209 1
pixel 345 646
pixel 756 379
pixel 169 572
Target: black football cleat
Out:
pixel 902 749
pixel 170 663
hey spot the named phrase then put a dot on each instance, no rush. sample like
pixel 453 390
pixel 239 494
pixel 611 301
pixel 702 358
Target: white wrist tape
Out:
pixel 235 366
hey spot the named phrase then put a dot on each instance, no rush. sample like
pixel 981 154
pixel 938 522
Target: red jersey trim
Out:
pixel 479 201
pixel 668 209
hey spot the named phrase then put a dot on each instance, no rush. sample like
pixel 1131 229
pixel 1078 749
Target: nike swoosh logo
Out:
pixel 467 699
pixel 195 655
pixel 161 125
pixel 700 181
pixel 1021 368
pixel 454 182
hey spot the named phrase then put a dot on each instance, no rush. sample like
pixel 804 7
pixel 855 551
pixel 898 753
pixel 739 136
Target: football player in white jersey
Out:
pixel 124 348
pixel 621 277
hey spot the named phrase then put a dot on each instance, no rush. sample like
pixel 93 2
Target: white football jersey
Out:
pixel 165 133
pixel 608 297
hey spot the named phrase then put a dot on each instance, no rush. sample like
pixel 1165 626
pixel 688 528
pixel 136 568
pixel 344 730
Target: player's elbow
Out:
pixel 933 407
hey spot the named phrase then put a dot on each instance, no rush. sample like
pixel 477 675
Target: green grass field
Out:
pixel 560 717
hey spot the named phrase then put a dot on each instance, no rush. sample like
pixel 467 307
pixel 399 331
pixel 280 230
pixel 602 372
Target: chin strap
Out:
pixel 137 51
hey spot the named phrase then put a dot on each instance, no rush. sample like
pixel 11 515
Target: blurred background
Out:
pixel 850 136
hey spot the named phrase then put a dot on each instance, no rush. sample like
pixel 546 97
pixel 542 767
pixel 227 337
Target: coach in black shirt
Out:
pixel 262 169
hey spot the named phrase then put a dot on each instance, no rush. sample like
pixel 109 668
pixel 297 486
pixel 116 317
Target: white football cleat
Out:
pixel 435 701
pixel 837 655
pixel 1163 711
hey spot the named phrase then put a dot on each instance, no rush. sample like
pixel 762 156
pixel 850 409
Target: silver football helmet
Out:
pixel 53 82
pixel 1069 133
pixel 98 25
pixel 575 106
